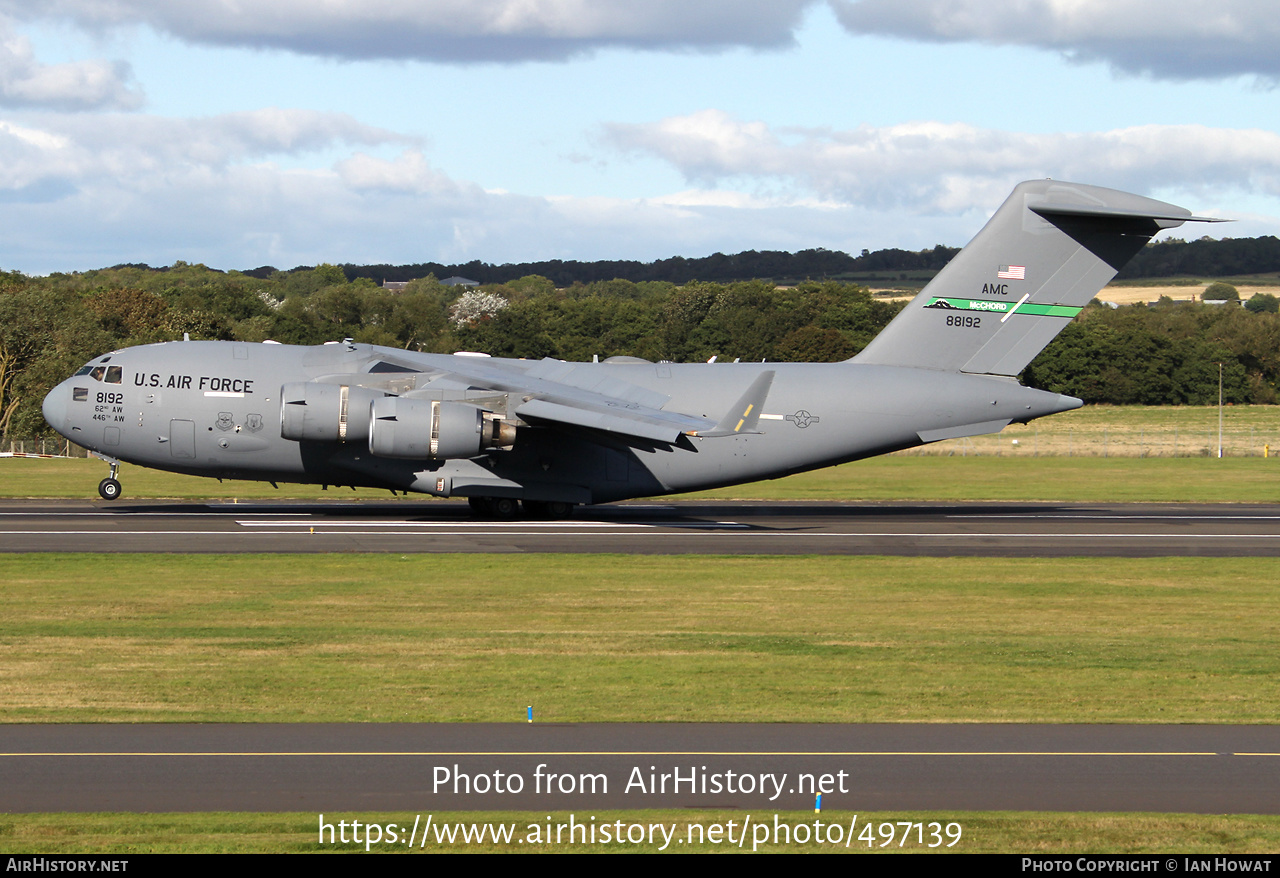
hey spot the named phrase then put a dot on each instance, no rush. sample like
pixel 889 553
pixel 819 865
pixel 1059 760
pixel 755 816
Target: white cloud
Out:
pixel 1178 39
pixel 712 198
pixel 1175 39
pixel 78 85
pixel 33 136
pixel 81 191
pixel 408 173
pixel 949 168
pixel 86 191
pixel 740 201
pixel 246 215
pixel 140 153
pixel 444 30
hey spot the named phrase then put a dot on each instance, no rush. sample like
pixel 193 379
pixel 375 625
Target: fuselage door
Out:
pixel 182 439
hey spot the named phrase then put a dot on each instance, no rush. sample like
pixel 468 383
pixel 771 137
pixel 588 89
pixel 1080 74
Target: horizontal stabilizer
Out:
pixel 1178 216
pixel 963 431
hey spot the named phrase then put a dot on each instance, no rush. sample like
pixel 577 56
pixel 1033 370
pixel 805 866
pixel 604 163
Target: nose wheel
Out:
pixel 109 488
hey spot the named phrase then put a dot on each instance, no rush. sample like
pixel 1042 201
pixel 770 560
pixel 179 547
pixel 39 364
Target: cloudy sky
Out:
pixel 289 132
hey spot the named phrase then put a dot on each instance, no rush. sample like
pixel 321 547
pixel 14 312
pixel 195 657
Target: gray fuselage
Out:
pixel 214 409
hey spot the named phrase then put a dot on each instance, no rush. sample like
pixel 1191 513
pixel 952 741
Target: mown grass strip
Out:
pixel 600 638
pixel 907 478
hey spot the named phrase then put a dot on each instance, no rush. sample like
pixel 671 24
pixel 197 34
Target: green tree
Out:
pixel 1219 291
pixel 1263 303
pixel 132 315
pixel 44 337
pixel 810 344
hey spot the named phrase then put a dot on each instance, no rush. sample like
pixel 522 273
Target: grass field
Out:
pixel 981 832
pixel 902 286
pixel 896 477
pixel 1054 479
pixel 609 639
pixel 1130 431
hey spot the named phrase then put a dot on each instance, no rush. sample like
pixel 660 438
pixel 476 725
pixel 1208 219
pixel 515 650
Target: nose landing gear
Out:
pixel 109 488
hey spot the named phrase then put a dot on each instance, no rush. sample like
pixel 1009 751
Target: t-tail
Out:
pixel 1048 250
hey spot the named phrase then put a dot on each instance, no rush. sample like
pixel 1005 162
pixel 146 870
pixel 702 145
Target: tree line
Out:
pixel 49 326
pixel 1174 257
pixel 776 265
pixel 1228 257
pixel 1206 257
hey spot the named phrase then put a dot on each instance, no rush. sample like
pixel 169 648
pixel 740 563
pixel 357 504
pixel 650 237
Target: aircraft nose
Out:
pixel 55 407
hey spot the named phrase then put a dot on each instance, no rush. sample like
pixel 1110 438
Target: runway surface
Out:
pixel 940 529
pixel 421 767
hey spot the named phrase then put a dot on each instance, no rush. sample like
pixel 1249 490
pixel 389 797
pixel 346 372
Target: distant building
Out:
pixel 459 282
pixel 395 286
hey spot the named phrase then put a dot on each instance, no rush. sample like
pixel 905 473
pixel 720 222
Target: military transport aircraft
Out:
pixel 541 436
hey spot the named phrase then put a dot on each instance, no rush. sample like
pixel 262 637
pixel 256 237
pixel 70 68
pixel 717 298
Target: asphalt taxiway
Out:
pixel 939 529
pixel 544 767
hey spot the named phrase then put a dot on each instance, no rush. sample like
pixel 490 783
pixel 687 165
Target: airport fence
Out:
pixel 41 448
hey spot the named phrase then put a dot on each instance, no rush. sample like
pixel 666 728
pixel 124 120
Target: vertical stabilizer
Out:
pixel 1045 254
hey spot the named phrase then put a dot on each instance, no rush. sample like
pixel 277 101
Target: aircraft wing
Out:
pixel 558 392
pixel 614 417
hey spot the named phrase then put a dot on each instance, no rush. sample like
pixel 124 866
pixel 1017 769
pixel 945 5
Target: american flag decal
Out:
pixel 1012 272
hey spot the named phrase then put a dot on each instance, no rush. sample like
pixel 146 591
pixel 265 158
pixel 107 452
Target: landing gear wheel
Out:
pixel 109 489
pixel 553 510
pixel 557 509
pixel 505 508
pixel 480 507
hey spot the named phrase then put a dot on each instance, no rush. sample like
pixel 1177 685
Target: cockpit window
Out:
pixel 83 371
pixel 105 374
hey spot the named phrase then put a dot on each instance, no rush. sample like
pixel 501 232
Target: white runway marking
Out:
pixel 652 531
pixel 437 524
pixel 108 515
pixel 1086 517
pixel 363 754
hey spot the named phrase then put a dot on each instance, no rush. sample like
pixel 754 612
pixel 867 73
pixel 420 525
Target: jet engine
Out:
pixel 417 428
pixel 314 412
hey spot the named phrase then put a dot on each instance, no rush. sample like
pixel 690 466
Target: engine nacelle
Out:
pixel 417 428
pixel 314 412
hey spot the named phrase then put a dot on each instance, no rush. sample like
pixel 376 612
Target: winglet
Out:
pixel 744 414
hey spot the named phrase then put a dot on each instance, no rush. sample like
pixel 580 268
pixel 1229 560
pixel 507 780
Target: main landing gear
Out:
pixel 109 488
pixel 509 508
